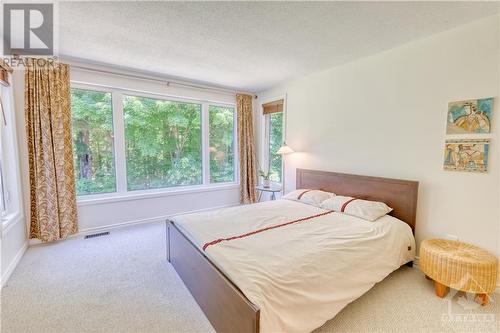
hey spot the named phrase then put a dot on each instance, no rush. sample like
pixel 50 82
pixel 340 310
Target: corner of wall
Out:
pixel 13 264
pixel 498 137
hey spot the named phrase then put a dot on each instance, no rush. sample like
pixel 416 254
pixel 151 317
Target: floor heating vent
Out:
pixel 97 235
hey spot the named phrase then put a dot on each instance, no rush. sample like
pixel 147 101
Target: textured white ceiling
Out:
pixel 248 46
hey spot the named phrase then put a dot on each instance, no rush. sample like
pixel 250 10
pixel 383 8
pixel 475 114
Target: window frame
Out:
pixel 122 194
pixel 265 122
pixel 206 143
pixel 201 137
pixel 101 90
pixel 268 124
pixel 12 191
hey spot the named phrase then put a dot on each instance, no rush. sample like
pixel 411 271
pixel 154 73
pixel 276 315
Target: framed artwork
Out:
pixel 470 117
pixel 466 155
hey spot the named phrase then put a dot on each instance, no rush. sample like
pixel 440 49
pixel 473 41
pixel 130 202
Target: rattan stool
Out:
pixel 461 266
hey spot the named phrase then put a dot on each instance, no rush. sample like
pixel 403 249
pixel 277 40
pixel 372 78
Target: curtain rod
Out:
pixel 164 81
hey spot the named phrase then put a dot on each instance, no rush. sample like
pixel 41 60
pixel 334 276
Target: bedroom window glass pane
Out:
pixel 92 132
pixel 162 143
pixel 221 141
pixel 275 141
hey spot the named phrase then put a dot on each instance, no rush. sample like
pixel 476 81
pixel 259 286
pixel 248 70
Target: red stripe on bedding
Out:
pixel 263 229
pixel 345 204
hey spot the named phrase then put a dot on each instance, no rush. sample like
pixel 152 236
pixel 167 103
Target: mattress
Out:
pixel 303 273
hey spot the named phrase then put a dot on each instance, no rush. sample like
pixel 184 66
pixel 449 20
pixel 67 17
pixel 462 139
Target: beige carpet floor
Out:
pixel 122 283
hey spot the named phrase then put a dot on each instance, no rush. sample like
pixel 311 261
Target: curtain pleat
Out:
pixel 248 172
pixel 47 110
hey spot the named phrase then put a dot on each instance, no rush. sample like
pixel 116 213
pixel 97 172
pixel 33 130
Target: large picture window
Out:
pixel 221 143
pixel 127 142
pixel 92 131
pixel 162 142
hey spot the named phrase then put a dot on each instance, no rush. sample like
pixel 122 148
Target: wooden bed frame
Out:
pixel 225 306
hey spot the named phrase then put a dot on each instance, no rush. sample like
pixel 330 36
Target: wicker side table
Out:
pixel 461 266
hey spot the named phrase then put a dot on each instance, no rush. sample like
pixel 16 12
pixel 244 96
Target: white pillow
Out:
pixel 307 196
pixel 365 209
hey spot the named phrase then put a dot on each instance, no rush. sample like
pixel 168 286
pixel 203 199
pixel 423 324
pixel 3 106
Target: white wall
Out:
pixel 94 215
pixel 385 115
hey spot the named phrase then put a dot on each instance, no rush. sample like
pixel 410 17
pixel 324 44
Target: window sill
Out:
pixel 97 199
pixel 10 220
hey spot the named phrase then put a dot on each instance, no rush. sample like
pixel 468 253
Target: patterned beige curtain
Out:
pixel 248 172
pixel 48 126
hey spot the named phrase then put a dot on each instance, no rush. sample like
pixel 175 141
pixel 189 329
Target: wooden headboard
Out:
pixel 399 194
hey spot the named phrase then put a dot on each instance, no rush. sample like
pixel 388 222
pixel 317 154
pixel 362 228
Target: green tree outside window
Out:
pixel 92 133
pixel 275 142
pixel 221 142
pixel 162 143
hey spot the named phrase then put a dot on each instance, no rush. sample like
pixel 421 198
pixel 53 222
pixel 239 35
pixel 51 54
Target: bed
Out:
pixel 295 278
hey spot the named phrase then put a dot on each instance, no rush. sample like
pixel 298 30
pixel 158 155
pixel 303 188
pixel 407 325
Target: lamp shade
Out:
pixel 284 149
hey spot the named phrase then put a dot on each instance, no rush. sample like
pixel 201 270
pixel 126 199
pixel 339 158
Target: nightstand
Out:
pixel 273 189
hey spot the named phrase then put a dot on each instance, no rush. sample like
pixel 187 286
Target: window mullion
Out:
pixel 205 144
pixel 119 142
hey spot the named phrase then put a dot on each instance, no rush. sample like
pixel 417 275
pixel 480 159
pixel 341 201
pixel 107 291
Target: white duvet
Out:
pixel 303 274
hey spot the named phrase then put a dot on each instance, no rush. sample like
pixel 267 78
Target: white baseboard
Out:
pixel 108 227
pixel 141 221
pixel 31 242
pixel 104 228
pixel 13 264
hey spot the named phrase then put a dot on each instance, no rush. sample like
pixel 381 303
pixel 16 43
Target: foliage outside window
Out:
pixel 93 151
pixel 275 142
pixel 162 143
pixel 221 143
